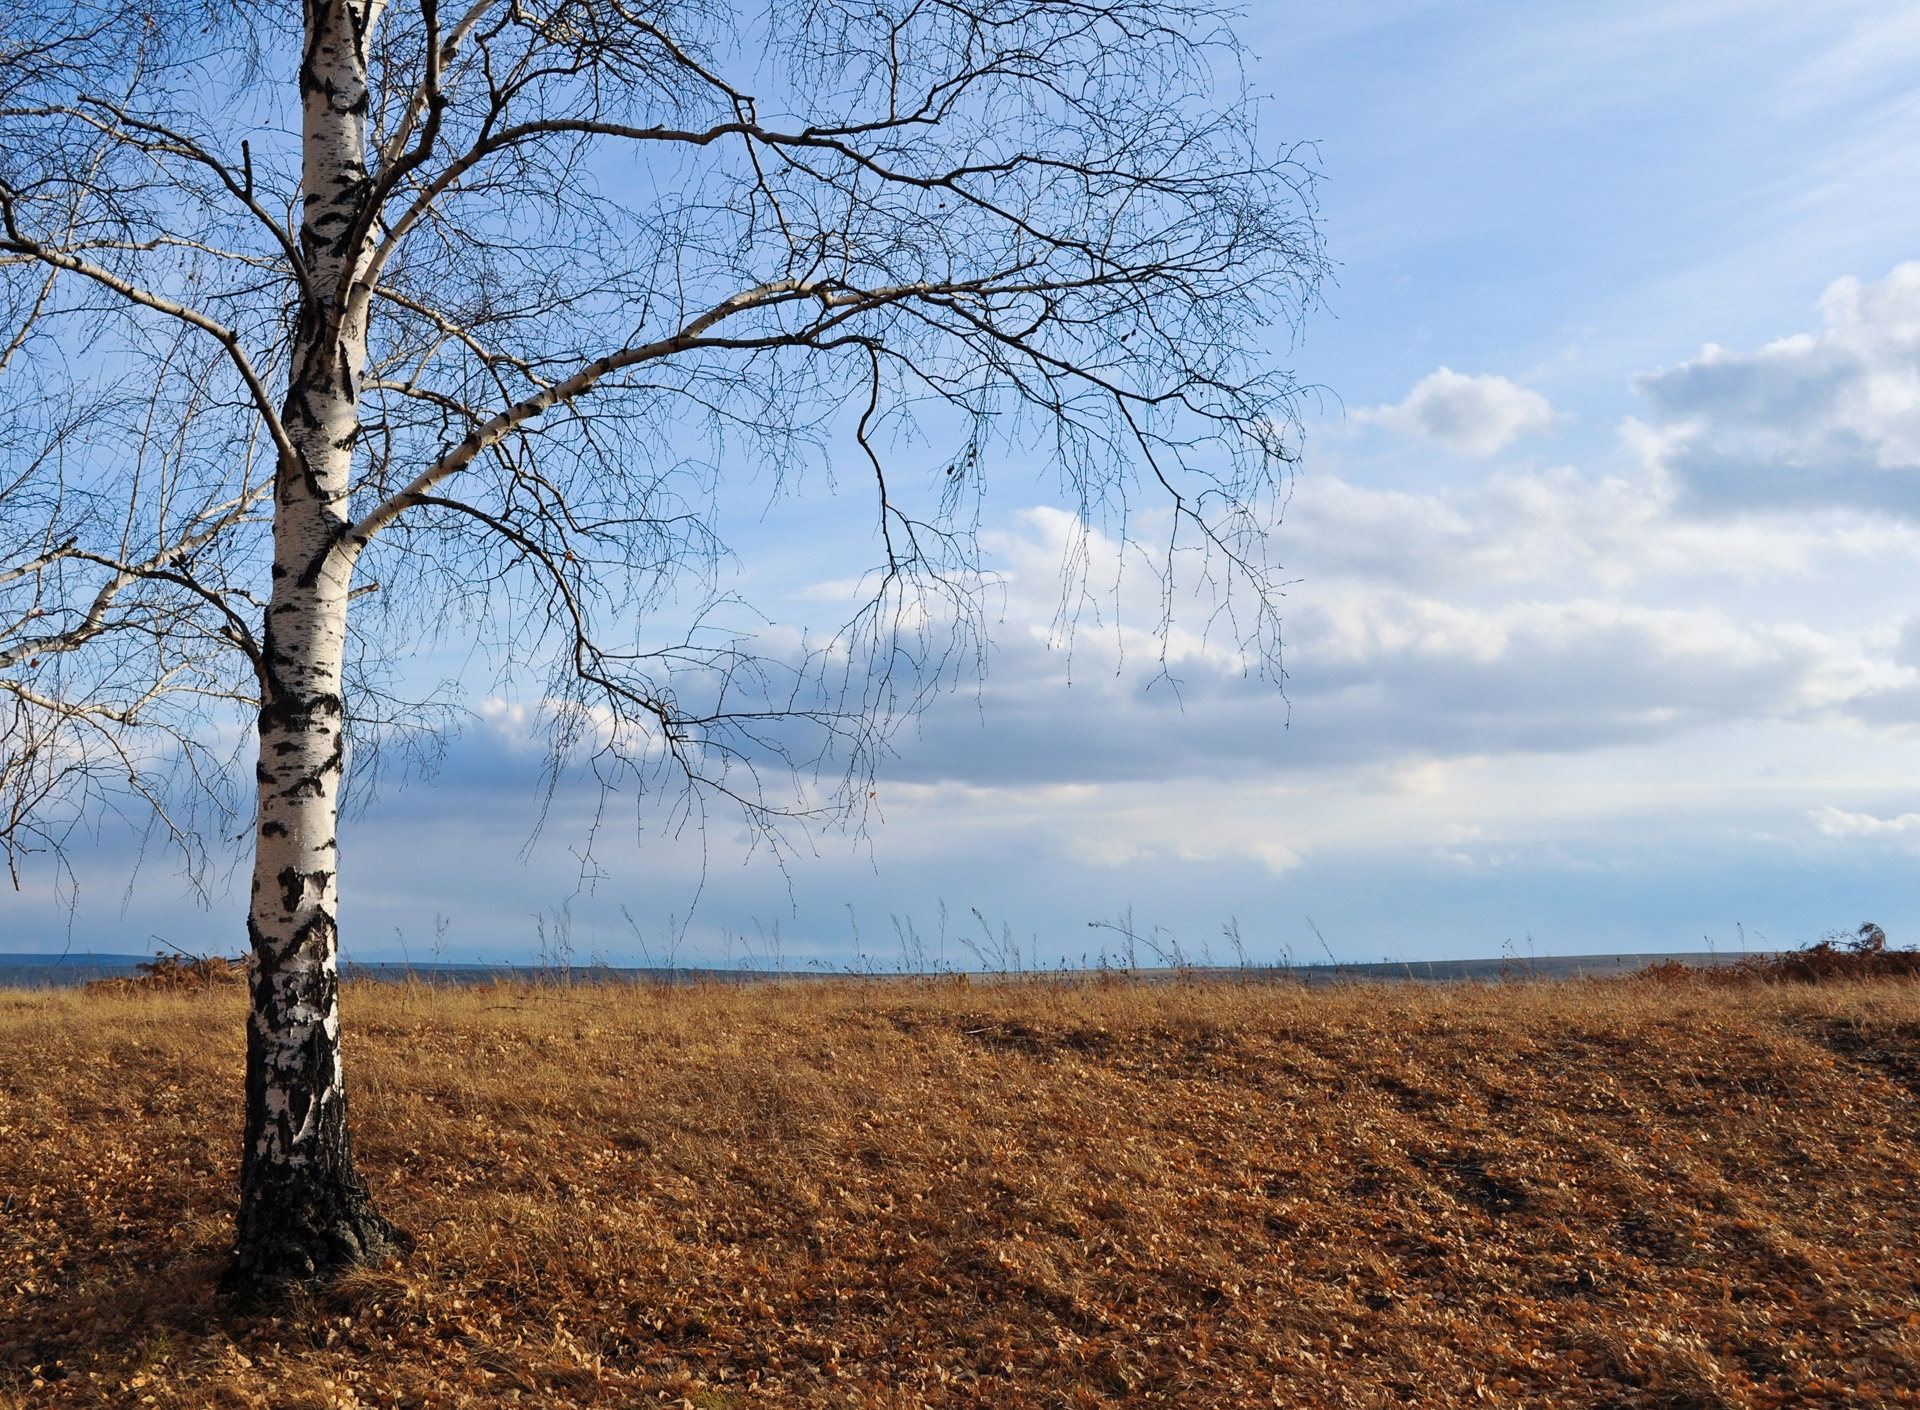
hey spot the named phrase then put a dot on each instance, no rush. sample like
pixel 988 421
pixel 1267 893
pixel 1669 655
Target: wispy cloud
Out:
pixel 1835 822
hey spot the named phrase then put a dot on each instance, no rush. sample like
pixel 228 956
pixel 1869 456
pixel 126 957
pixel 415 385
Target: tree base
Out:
pixel 297 1228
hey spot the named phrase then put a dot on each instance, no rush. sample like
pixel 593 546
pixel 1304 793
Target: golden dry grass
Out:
pixel 899 1194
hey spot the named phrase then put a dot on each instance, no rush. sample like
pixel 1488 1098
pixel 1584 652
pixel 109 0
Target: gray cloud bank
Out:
pixel 1817 420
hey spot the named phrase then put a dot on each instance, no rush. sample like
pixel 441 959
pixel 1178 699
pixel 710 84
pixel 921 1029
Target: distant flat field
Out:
pixel 904 1193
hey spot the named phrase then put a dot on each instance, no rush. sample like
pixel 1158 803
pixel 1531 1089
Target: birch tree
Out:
pixel 332 325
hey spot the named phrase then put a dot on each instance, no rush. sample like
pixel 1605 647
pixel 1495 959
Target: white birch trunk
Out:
pixel 303 1208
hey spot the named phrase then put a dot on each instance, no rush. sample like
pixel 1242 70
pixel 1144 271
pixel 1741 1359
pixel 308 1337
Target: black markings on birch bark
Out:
pixel 303 1209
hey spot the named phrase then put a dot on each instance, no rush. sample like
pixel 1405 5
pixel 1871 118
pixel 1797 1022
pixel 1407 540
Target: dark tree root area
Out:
pixel 302 1229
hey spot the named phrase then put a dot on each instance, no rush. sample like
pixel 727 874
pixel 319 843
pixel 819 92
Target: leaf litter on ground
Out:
pixel 1672 1192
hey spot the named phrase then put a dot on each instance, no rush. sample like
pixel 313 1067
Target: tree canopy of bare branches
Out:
pixel 328 327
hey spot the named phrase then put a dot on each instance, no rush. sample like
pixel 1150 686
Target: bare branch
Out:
pixel 18 243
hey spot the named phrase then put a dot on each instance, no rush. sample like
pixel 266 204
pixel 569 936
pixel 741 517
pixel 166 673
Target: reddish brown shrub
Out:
pixel 175 974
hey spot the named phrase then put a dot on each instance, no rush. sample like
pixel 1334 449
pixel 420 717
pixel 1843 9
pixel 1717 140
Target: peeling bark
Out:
pixel 303 1209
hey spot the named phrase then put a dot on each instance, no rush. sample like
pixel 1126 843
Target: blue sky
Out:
pixel 1605 634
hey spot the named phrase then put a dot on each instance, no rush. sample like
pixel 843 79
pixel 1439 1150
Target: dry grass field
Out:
pixel 1024 1194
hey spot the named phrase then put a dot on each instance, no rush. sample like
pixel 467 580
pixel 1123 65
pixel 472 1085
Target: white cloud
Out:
pixel 1817 419
pixel 1470 415
pixel 1524 615
pixel 1562 531
pixel 1835 822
